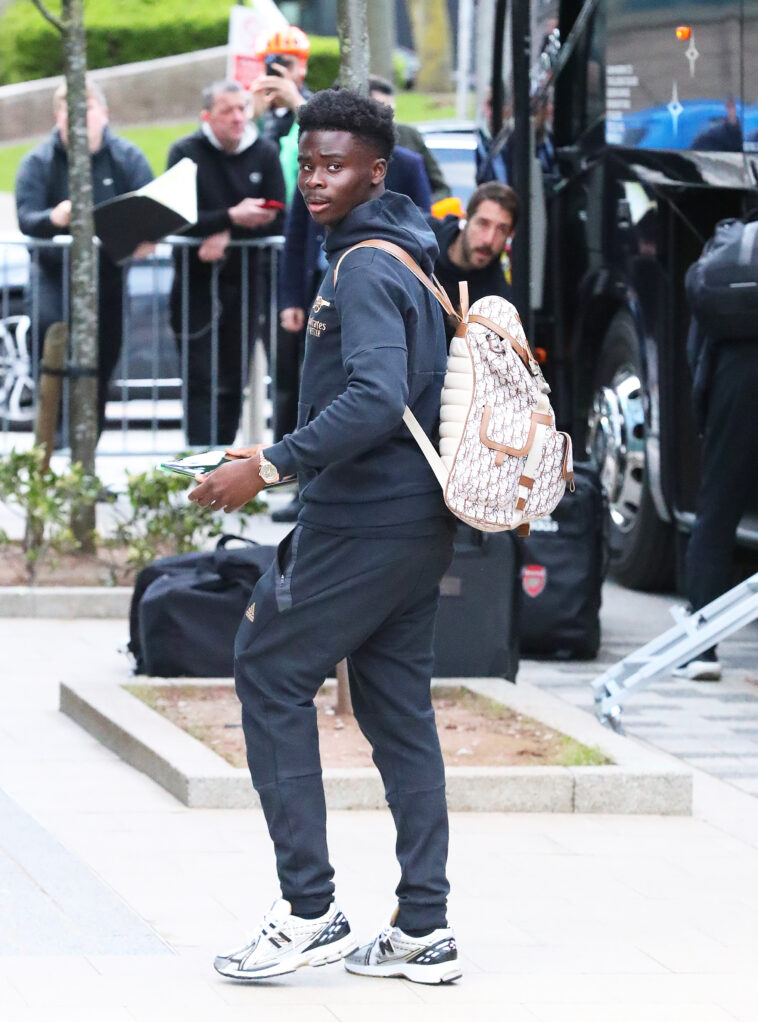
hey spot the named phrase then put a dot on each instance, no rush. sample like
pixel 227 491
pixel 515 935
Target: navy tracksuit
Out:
pixel 359 575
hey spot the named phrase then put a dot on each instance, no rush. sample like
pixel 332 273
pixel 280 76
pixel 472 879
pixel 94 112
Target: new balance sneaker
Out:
pixel 430 959
pixel 285 942
pixel 704 667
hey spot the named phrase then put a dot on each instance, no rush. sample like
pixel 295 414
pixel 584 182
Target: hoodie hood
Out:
pixel 390 217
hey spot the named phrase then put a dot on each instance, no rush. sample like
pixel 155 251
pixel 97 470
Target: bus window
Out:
pixel 673 75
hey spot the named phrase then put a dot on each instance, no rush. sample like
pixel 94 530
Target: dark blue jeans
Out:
pixel 374 601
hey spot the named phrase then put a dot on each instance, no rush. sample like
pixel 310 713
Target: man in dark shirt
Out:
pixel 471 249
pixel 359 575
pixel 44 210
pixel 237 172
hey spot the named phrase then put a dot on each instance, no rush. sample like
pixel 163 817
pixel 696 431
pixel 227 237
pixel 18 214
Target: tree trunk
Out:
pixel 381 34
pixel 344 703
pixel 352 29
pixel 432 35
pixel 83 425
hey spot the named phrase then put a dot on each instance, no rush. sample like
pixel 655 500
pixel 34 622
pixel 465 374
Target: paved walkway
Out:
pixel 710 726
pixel 114 897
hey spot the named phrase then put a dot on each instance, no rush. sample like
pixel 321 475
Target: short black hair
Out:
pixel 344 110
pixel 494 191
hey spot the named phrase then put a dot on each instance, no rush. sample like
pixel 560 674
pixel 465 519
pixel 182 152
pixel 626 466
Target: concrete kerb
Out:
pixel 65 601
pixel 641 780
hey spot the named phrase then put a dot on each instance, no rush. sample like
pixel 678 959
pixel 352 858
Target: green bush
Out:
pixel 46 501
pixel 123 31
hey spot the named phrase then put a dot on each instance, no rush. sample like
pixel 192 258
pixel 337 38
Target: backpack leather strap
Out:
pixel 402 256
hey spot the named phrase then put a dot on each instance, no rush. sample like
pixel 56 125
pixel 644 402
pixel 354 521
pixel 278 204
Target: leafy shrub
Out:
pixel 45 500
pixel 153 519
pixel 123 31
pixel 160 520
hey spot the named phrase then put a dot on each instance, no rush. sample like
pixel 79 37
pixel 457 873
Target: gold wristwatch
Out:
pixel 268 471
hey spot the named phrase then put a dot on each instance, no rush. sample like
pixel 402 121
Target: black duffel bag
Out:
pixel 564 561
pixel 186 609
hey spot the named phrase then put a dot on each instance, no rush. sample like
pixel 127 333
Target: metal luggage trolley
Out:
pixel 692 634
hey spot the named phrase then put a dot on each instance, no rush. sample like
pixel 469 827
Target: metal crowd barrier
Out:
pixel 148 395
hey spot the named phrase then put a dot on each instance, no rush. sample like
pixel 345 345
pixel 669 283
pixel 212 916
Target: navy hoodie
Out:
pixel 374 343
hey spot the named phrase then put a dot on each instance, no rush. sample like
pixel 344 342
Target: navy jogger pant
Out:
pixel 374 601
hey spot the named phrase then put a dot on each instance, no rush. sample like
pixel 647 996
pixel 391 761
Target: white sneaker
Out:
pixel 285 942
pixel 430 959
pixel 705 667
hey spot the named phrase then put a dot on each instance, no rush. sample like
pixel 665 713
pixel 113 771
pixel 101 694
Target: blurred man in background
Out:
pixel 471 248
pixel 237 174
pixel 44 210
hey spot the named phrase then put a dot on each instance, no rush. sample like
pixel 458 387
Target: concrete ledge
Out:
pixel 148 91
pixel 640 781
pixel 65 601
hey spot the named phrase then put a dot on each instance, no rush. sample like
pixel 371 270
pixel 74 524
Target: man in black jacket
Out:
pixel 237 173
pixel 359 575
pixel 44 210
pixel 471 249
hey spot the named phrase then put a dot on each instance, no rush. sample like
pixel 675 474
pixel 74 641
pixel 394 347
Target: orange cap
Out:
pixel 285 40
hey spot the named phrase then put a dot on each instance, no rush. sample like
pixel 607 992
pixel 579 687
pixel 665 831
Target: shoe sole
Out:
pixel 327 955
pixel 698 674
pixel 444 972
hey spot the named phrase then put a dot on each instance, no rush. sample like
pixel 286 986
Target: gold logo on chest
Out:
pixel 319 304
pixel 250 612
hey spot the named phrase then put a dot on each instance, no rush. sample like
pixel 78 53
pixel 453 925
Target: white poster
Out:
pixel 245 25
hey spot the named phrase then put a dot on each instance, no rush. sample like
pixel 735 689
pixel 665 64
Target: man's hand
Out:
pixel 230 486
pixel 60 215
pixel 250 213
pixel 292 319
pixel 143 250
pixel 274 90
pixel 243 452
pixel 214 247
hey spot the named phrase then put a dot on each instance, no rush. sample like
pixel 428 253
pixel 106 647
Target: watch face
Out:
pixel 269 473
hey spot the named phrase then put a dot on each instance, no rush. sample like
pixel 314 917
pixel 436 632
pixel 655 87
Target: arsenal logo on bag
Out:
pixel 533 579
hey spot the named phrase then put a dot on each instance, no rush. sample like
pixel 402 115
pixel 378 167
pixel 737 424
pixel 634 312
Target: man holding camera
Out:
pixel 277 94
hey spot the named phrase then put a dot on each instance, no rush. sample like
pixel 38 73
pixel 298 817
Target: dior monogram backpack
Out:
pixel 502 463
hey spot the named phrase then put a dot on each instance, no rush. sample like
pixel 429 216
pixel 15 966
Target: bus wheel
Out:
pixel 642 546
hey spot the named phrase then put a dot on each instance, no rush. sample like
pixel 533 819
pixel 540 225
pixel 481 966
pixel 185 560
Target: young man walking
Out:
pixel 358 576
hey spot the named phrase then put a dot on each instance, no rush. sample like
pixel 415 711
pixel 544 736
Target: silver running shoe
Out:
pixel 285 942
pixel 430 959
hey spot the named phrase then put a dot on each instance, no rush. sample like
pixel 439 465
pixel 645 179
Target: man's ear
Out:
pixel 204 115
pixel 378 170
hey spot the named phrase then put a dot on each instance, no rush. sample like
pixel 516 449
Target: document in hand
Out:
pixel 164 206
pixel 197 463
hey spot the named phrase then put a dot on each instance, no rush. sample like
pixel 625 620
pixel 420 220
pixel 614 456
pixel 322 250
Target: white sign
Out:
pixel 245 25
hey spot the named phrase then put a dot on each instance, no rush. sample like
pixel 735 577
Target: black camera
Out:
pixel 271 61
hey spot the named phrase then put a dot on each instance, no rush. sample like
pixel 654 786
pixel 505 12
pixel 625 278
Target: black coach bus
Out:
pixel 655 132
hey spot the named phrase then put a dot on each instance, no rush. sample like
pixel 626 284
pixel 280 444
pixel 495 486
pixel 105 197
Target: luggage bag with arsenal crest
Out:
pixel 564 561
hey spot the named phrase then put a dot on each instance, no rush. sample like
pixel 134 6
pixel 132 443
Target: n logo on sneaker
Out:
pixel 385 947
